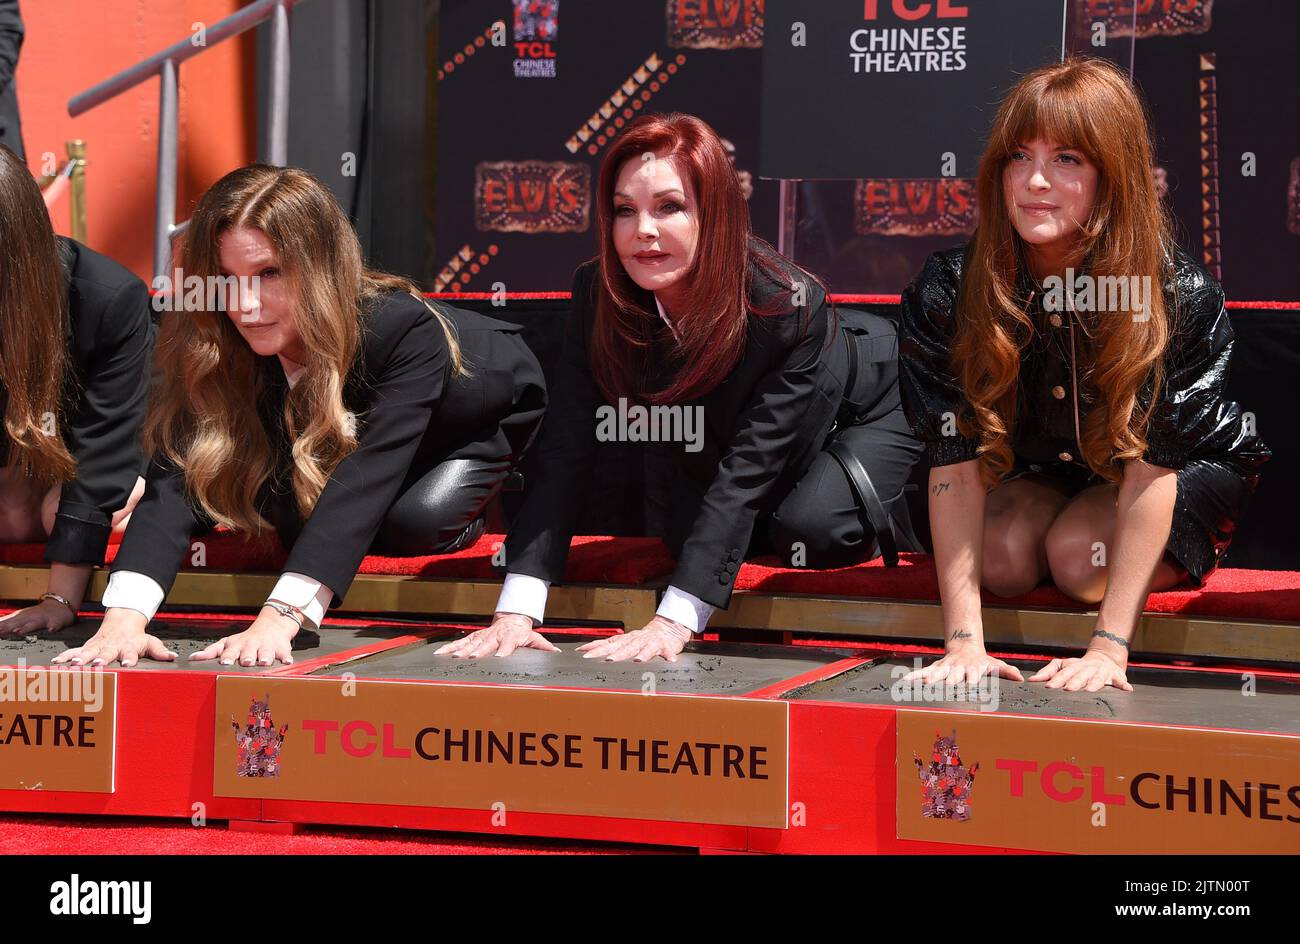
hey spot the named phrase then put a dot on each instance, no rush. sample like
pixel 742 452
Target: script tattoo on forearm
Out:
pixel 1102 634
pixel 962 634
pixel 940 487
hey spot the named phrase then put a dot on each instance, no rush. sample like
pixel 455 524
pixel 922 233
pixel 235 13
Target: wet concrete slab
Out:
pixel 1160 696
pixel 193 635
pixel 702 669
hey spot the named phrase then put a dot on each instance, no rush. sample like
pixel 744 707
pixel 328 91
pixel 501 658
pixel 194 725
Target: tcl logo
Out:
pixel 945 9
pixel 1060 781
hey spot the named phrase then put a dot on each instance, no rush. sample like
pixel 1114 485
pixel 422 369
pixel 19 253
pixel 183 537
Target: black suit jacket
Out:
pixel 763 424
pixel 409 409
pixel 110 334
pixel 11 40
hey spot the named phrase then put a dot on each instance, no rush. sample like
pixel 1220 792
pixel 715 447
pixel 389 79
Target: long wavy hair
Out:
pixel 34 359
pixel 716 296
pixel 1091 106
pixel 203 414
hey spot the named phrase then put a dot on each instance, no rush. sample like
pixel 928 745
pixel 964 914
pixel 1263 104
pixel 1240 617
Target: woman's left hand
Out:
pixel 1091 673
pixel 269 638
pixel 659 637
pixel 46 616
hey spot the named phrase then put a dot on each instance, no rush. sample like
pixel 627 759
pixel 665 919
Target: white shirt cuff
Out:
pixel 307 594
pixel 685 608
pixel 524 595
pixel 130 590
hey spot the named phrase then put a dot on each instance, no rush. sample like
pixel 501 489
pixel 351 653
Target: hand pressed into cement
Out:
pixel 46 616
pixel 508 632
pixel 965 661
pixel 1091 673
pixel 659 637
pixel 268 638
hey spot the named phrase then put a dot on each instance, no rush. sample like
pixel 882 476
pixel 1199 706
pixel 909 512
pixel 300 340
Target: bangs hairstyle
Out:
pixel 715 299
pixel 203 414
pixel 1090 106
pixel 34 361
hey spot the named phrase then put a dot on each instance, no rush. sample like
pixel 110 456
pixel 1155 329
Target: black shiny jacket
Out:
pixel 1192 420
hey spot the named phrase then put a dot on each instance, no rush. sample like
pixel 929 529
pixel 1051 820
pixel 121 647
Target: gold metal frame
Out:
pixel 371 593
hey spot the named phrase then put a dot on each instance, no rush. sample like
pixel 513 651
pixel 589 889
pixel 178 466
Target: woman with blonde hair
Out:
pixel 322 398
pixel 76 330
pixel 1066 372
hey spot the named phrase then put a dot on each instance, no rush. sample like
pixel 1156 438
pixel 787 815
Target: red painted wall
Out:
pixel 73 44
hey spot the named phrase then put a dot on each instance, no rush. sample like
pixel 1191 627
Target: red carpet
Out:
pixel 57 835
pixel 592 559
pixel 1228 592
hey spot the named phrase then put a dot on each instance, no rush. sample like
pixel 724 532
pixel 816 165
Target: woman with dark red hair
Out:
pixel 790 432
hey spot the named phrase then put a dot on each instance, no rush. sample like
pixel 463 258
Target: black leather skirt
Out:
pixel 1211 497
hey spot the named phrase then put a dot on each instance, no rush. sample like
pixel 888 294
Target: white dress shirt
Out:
pixel 136 591
pixel 526 595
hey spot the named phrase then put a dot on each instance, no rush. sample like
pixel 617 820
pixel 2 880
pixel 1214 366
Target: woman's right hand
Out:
pixel 121 638
pixel 508 632
pixel 965 661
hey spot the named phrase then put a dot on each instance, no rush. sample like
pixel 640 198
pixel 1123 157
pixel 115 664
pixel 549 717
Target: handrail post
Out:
pixel 277 120
pixel 77 189
pixel 165 218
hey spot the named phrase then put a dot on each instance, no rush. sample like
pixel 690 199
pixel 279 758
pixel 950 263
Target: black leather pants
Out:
pixel 855 487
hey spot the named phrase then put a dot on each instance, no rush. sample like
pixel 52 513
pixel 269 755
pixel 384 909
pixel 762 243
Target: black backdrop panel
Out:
pixel 506 143
pixel 839 74
pixel 513 200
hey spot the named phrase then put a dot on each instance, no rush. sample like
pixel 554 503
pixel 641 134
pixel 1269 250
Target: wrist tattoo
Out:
pixel 1120 640
pixel 961 634
pixel 941 487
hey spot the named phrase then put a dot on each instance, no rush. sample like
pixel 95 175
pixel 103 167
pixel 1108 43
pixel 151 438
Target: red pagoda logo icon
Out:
pixel 946 782
pixel 259 743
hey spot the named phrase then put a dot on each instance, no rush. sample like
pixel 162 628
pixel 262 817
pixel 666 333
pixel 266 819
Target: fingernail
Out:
pixel 225 662
pixel 75 661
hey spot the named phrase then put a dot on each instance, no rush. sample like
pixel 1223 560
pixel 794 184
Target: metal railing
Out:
pixel 166 65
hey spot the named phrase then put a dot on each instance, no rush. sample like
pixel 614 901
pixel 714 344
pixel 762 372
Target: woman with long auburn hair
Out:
pixel 800 447
pixel 1066 372
pixel 76 330
pixel 319 397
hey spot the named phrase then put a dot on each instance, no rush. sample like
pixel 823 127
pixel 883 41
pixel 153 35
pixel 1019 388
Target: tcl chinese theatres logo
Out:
pixel 946 782
pixel 259 743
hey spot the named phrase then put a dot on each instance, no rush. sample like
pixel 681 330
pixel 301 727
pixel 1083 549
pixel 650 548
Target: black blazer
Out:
pixel 409 409
pixel 11 40
pixel 763 425
pixel 1192 420
pixel 110 334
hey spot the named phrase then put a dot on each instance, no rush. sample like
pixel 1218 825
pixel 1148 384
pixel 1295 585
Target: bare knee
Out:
pixel 1077 564
pixel 1010 565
